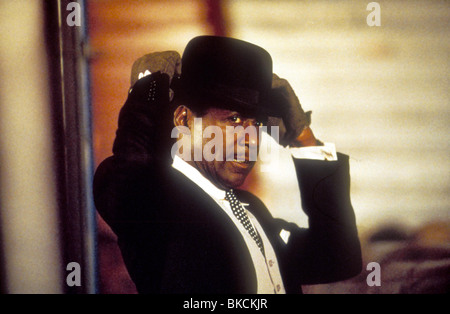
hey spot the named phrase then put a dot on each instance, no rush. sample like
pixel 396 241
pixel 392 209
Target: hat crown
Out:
pixel 210 61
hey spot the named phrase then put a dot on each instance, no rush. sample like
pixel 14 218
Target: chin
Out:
pixel 234 183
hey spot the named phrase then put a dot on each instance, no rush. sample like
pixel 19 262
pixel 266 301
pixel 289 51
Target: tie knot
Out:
pixel 231 197
pixel 229 194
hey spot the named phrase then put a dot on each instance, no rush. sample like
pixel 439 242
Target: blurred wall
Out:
pixel 30 234
pixel 381 94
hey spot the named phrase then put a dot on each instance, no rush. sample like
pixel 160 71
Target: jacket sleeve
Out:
pixel 121 181
pixel 329 250
pixel 125 192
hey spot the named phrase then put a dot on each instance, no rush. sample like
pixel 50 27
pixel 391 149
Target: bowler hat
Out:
pixel 227 72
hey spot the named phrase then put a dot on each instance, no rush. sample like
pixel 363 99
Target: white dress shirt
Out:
pixel 268 275
pixel 267 271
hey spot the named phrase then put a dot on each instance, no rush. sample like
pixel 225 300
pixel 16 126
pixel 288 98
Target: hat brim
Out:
pixel 232 98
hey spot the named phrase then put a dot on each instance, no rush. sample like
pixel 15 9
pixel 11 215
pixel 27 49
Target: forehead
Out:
pixel 216 112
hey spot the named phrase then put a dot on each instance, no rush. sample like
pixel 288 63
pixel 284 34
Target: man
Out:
pixel 182 224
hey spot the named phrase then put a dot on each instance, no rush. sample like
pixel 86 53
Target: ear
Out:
pixel 183 116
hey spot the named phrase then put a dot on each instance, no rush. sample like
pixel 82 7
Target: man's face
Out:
pixel 238 150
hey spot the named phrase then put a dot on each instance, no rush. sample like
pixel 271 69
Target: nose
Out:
pixel 249 135
pixel 251 139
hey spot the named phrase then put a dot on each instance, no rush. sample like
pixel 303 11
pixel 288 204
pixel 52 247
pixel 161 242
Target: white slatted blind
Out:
pixel 379 93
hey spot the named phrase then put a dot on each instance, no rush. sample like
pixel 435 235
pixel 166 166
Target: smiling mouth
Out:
pixel 241 161
pixel 242 164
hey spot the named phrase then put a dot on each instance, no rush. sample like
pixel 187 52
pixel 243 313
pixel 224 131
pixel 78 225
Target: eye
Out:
pixel 236 119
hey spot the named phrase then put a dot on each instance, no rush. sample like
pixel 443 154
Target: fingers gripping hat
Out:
pixel 168 62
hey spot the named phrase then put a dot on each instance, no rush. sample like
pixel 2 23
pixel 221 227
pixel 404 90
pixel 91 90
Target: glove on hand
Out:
pixel 168 62
pixel 143 119
pixel 294 120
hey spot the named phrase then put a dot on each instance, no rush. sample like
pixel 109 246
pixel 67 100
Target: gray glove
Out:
pixel 141 126
pixel 168 62
pixel 294 119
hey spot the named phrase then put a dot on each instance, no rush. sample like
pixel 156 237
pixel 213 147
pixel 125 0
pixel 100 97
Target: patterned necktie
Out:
pixel 241 215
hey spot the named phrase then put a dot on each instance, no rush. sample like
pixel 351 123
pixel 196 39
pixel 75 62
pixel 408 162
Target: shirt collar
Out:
pixel 195 176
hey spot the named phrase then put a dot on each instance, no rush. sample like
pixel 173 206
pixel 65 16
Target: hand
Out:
pixel 296 121
pixel 143 118
pixel 306 138
pixel 167 62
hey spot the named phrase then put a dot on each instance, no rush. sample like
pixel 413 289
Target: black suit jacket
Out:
pixel 175 239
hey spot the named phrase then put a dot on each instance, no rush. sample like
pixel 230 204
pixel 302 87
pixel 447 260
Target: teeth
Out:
pixel 240 161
